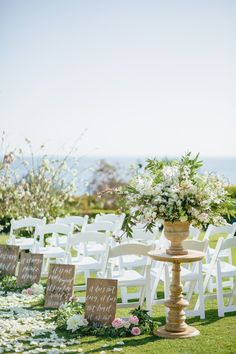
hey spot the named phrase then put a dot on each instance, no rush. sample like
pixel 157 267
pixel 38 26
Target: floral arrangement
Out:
pixel 176 191
pixel 35 289
pixel 70 317
pixel 8 283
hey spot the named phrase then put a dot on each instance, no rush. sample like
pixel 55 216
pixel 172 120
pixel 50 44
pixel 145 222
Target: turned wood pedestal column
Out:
pixel 176 326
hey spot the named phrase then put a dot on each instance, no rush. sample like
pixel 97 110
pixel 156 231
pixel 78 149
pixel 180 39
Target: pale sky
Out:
pixel 142 77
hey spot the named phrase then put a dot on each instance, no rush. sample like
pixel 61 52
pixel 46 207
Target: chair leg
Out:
pixel 147 289
pixel 124 297
pixel 156 281
pixel 232 295
pixel 220 298
pixel 191 288
pixel 142 295
pixel 201 298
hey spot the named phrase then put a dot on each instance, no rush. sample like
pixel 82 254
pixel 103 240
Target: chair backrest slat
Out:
pixel 88 236
pixel 54 229
pixel 130 249
pixel 101 226
pixel 228 229
pixel 72 219
pixel 27 222
pixel 229 243
pixel 196 245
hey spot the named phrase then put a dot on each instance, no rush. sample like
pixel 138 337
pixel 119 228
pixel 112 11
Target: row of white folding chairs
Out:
pixel 109 222
pixel 59 253
pixel 54 245
pixel 84 263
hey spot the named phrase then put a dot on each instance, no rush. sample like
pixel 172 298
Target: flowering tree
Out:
pixel 41 192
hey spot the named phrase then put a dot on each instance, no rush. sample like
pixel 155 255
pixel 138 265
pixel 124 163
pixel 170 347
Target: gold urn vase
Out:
pixel 176 232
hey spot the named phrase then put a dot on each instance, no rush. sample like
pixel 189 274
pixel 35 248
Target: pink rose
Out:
pixel 134 320
pixel 29 291
pixel 135 331
pixel 117 323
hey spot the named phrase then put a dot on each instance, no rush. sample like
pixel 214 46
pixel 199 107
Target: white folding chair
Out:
pixel 106 227
pixel 83 262
pixel 129 277
pixel 138 235
pixel 79 223
pixel 118 219
pixel 25 243
pixel 50 252
pixel 227 231
pixel 102 226
pixel 221 270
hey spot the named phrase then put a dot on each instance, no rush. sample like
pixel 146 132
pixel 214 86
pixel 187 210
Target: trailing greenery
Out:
pixel 8 284
pixel 70 318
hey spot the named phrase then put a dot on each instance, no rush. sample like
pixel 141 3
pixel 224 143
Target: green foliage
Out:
pixel 41 192
pixel 232 191
pixel 146 322
pixel 74 307
pixel 8 284
pixel 66 311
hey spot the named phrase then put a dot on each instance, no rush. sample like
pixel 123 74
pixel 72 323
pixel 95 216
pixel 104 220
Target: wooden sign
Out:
pixel 30 268
pixel 9 256
pixel 60 285
pixel 100 305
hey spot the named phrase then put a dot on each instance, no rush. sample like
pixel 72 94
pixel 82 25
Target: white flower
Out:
pixel 37 289
pixel 126 324
pixel 76 321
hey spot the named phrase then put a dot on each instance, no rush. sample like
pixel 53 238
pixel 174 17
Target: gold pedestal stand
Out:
pixel 175 324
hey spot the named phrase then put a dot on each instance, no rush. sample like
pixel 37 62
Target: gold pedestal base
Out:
pixel 189 332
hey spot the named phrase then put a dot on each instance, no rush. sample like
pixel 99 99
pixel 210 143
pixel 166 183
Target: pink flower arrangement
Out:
pixel 117 323
pixel 28 292
pixel 135 331
pixel 35 289
pixel 134 320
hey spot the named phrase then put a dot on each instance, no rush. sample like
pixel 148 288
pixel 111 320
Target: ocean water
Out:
pixel 85 166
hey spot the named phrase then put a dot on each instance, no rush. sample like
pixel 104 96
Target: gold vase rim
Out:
pixel 178 222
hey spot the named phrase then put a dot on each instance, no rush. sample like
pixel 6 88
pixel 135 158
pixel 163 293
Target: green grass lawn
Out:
pixel 218 335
